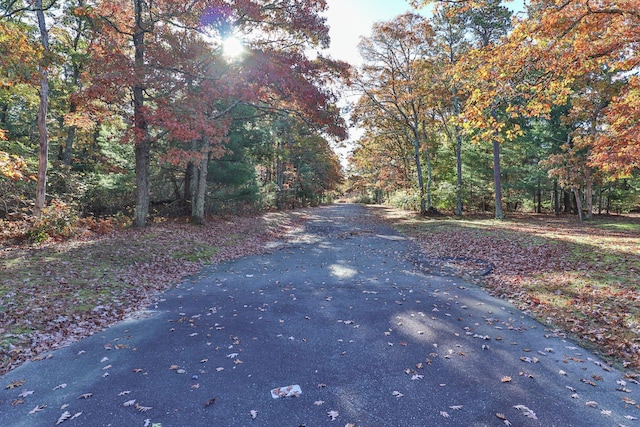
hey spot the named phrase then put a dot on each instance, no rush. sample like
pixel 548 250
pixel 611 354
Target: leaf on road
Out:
pixel 141 408
pixel 15 384
pixel 397 394
pixel 455 407
pixel 445 414
pixel 26 393
pixel 526 411
pixel 333 415
pixel 64 417
pixel 254 414
pixel 60 386
pixel 85 396
pixel 129 403
pixel 37 409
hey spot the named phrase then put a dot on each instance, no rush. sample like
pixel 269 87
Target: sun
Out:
pixel 232 47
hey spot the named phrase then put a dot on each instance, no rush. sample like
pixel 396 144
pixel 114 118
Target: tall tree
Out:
pixel 392 81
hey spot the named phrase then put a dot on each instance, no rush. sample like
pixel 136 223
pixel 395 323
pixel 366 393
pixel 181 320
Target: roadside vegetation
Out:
pixel 58 292
pixel 582 280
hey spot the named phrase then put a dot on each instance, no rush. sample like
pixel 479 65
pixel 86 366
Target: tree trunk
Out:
pixel 43 154
pixel 143 142
pixel 497 180
pixel 458 138
pixel 589 195
pixel 556 198
pixel 578 197
pixel 429 179
pixel 199 195
pixel 416 156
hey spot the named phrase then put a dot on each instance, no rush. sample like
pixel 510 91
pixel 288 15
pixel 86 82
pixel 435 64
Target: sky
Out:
pixel 348 20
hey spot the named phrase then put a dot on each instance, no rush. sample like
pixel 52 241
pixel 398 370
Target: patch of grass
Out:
pixel 198 253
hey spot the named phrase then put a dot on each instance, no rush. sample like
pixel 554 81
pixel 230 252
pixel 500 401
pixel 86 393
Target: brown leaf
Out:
pixel 15 384
pixel 210 402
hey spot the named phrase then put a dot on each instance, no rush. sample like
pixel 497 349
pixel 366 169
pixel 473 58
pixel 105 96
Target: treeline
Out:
pixel 135 108
pixel 474 109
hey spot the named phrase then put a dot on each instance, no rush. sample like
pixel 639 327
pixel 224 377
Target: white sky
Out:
pixel 350 19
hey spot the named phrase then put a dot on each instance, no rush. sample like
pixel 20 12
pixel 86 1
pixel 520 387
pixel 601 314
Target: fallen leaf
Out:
pixel 141 408
pixel 76 415
pixel 318 402
pixel 58 387
pixel 15 384
pixel 209 402
pixel 505 379
pixel 445 414
pixel 129 402
pixel 333 415
pixel 17 402
pixel 26 393
pixel 64 417
pixel 37 409
pixel 85 396
pixel 455 407
pixel 591 404
pixel 397 394
pixel 253 413
pixel 526 411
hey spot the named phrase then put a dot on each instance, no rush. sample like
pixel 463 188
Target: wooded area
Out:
pixel 136 109
pixel 130 111
pixel 476 107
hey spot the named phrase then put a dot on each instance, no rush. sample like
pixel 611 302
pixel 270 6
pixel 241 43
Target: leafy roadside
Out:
pixel 59 292
pixel 582 280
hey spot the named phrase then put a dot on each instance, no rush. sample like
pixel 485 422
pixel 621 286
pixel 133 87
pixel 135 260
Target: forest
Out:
pixel 478 109
pixel 135 111
pixel 130 112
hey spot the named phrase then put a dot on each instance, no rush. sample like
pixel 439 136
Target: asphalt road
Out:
pixel 342 312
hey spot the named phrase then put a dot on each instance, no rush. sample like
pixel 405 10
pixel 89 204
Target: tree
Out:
pixel 392 81
pixel 273 70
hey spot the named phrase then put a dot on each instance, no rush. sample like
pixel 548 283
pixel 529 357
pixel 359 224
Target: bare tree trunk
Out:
pixel 416 156
pixel 458 138
pixel 497 178
pixel 199 195
pixel 578 197
pixel 143 142
pixel 589 194
pixel 43 154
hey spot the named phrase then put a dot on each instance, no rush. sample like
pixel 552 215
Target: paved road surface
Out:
pixel 341 311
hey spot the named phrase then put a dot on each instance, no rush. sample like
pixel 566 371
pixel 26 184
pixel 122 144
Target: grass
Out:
pixel 582 279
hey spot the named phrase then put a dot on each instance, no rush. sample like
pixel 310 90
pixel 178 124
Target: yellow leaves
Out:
pixel 12 166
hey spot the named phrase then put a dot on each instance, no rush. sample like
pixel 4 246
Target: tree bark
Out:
pixel 43 153
pixel 416 156
pixel 578 197
pixel 199 195
pixel 497 180
pixel 589 195
pixel 458 138
pixel 142 140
